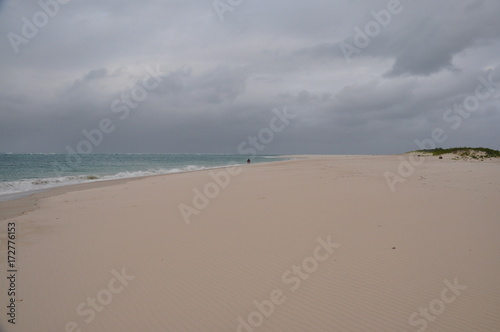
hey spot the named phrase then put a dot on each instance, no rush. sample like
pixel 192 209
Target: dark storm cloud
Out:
pixel 434 41
pixel 220 80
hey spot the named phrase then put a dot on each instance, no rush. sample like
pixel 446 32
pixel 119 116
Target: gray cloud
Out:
pixel 222 79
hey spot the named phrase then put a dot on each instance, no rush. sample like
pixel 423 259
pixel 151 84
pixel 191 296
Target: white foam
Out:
pixel 15 189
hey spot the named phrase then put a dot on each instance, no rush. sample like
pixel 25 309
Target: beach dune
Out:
pixel 315 244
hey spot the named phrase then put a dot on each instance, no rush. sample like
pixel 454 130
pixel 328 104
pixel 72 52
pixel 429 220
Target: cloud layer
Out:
pixel 64 64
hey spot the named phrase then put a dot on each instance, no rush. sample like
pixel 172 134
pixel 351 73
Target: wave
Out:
pixel 15 189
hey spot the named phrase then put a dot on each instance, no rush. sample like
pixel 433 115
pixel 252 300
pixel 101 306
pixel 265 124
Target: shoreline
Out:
pixel 15 207
pixel 32 182
pixel 18 206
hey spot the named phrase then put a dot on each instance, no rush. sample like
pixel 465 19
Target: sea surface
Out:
pixel 24 174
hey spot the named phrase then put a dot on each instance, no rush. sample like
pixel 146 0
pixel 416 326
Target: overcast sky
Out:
pixel 358 82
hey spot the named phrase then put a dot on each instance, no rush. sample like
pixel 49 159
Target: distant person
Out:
pixel 248 161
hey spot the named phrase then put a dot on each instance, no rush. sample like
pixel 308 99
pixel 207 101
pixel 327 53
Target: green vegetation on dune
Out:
pixel 465 152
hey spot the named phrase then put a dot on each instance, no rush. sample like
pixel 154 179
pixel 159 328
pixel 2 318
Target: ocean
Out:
pixel 24 174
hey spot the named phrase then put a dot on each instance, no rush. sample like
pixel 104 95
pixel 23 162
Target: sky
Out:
pixel 283 76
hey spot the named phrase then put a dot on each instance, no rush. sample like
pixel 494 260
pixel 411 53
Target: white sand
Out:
pixel 444 223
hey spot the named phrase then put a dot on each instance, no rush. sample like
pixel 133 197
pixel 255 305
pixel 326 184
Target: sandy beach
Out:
pixel 314 244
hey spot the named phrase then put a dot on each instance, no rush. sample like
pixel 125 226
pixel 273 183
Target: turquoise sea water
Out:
pixel 22 174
